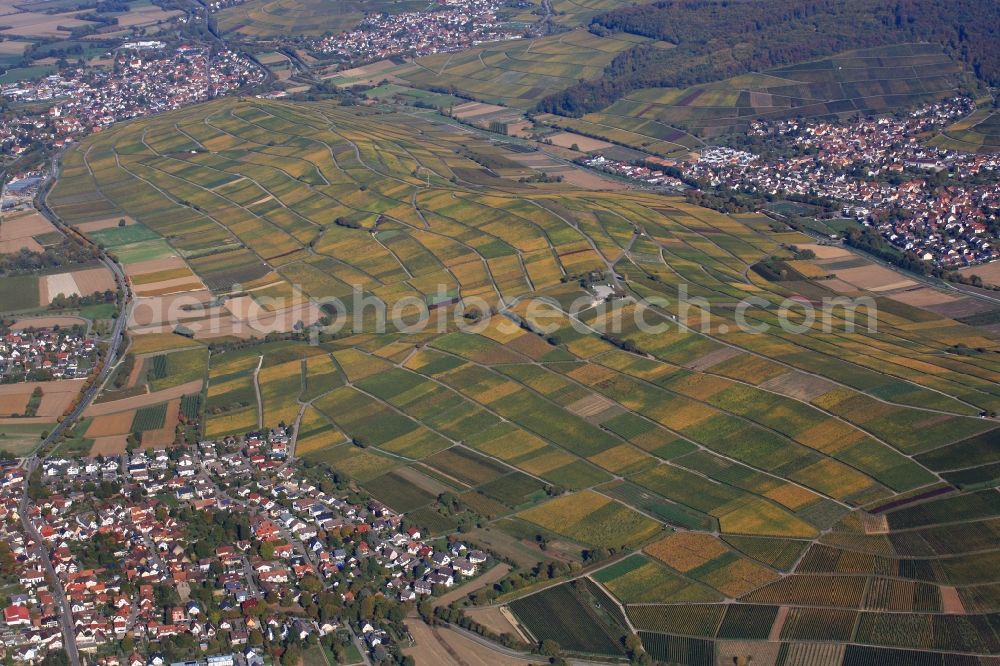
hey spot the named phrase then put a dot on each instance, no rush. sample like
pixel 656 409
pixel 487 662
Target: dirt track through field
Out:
pixel 488 578
pixel 97 409
pixel 446 647
pixel 47 322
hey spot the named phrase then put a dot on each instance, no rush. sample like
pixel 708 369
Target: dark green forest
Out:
pixel 717 39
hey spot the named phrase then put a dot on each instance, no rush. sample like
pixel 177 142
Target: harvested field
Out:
pixel 25 420
pixel 162 437
pixel 148 344
pixel 146 400
pixel 154 265
pixel 713 358
pixel 951 602
pixel 93 279
pixel 56 396
pixel 16 232
pixel 110 445
pixel 590 406
pixel 47 322
pixel 496 619
pixel 31 24
pixel 962 307
pixel 990 273
pixel 583 143
pixel 590 180
pixel 747 652
pixel 779 623
pixel 106 223
pixel 812 654
pixel 446 647
pixel 488 578
pixel 840 286
pixel 280 320
pixel 171 286
pixel 923 296
pixel 369 71
pixel 825 251
pixel 422 481
pixel 799 385
pixel 473 110
pixel 119 423
pixel 874 278
pixel 157 310
pixel 14 404
pixel 76 283
pixel 145 16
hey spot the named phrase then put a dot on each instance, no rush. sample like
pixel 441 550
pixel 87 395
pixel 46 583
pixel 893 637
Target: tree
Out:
pixel 549 648
pixel 291 656
pixel 56 658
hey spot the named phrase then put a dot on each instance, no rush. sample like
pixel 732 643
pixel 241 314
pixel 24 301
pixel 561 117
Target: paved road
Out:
pixel 117 335
pixel 66 616
pixel 32 462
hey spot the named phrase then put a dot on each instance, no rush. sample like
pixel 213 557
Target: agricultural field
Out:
pixel 518 73
pixel 19 292
pixel 671 121
pixel 302 18
pixel 567 615
pixel 977 133
pixel 781 483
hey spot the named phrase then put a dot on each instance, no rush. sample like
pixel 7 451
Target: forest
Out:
pixel 717 39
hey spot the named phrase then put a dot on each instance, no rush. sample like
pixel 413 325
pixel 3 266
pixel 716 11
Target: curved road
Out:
pixel 31 463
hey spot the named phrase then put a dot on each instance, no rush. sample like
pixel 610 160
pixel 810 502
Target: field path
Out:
pixel 144 400
pixel 449 646
pixel 613 598
pixel 779 623
pixel 488 578
pixel 256 388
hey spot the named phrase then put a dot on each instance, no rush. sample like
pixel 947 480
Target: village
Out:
pixel 46 353
pixel 227 552
pixel 146 78
pixel 637 172
pixel 941 205
pixel 458 25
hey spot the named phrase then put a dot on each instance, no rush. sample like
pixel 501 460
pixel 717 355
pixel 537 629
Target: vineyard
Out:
pixel 727 489
pixel 149 418
pixel 561 615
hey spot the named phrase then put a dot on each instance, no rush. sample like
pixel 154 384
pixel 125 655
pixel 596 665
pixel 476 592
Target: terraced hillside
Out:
pixel 978 133
pixel 671 120
pixel 801 492
pixel 519 73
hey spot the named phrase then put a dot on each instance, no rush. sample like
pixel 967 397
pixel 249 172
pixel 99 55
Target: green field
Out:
pixel 21 439
pixel 117 236
pixel 32 73
pixel 18 292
